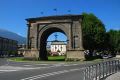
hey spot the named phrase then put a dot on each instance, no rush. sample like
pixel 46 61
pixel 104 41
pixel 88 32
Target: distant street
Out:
pixel 40 71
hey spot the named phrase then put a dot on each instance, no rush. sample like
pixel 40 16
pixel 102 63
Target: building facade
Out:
pixel 58 47
pixel 21 49
pixel 7 47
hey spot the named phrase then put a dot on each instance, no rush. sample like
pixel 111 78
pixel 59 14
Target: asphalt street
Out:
pixel 41 71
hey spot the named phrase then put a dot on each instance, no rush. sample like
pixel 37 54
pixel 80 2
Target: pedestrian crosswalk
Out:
pixel 9 68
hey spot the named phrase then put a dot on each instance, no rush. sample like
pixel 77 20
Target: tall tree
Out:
pixel 94 32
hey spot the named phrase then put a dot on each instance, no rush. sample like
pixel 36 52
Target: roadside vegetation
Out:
pixel 50 58
pixel 56 58
pixel 98 42
pixel 18 59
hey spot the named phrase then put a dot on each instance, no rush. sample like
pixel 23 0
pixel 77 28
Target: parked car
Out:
pixel 110 56
pixel 105 57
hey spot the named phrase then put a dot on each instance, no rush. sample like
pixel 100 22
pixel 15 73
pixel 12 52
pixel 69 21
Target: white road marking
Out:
pixel 42 64
pixel 6 68
pixel 27 65
pixel 50 74
pixel 75 64
pixel 70 64
pixel 66 65
pixel 3 71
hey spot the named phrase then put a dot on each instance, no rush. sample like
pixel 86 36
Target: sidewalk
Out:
pixel 115 76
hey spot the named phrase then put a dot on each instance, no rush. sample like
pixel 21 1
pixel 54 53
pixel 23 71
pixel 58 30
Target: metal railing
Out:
pixel 101 70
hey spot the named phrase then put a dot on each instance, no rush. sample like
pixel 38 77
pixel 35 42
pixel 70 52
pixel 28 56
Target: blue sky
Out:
pixel 14 12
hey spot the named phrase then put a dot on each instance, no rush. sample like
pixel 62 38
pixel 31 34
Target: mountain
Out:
pixel 11 35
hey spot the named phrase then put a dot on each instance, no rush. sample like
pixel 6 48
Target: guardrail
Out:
pixel 101 70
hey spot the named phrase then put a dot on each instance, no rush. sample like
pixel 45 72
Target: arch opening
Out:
pixel 43 53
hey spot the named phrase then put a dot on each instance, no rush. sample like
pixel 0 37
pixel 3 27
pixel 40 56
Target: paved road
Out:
pixel 3 61
pixel 40 71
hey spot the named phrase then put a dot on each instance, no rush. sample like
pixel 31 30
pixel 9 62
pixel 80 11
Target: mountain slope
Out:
pixel 11 35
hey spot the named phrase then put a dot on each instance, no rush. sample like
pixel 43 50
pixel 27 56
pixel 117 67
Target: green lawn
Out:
pixel 56 58
pixel 50 58
pixel 17 59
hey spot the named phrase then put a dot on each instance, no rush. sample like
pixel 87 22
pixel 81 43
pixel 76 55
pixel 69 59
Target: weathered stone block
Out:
pixel 75 55
pixel 32 54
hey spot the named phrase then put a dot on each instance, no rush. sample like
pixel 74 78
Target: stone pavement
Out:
pixel 115 76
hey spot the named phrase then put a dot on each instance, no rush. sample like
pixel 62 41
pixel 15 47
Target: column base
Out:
pixel 75 55
pixel 32 54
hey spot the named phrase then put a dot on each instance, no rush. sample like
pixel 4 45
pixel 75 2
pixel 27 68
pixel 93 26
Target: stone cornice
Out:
pixel 56 17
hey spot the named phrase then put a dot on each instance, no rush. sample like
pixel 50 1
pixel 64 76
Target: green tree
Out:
pixel 94 32
pixel 114 40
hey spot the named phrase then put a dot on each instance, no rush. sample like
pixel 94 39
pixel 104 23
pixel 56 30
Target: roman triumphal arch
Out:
pixel 40 28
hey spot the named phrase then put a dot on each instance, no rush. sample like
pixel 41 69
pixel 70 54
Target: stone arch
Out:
pixel 44 34
pixel 40 28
